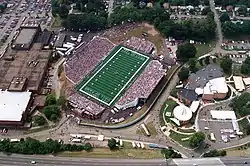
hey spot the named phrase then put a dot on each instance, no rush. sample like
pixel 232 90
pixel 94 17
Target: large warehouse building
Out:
pixel 14 107
pixel 26 37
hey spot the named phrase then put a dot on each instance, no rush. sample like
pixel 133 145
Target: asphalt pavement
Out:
pixel 23 160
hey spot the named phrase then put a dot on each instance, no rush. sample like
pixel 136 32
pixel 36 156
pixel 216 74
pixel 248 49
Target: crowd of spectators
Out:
pixel 140 45
pixel 86 58
pixel 118 34
pixel 145 83
pixel 84 105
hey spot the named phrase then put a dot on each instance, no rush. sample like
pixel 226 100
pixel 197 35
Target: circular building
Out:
pixel 182 113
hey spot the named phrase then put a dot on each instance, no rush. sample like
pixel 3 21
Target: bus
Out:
pixel 144 127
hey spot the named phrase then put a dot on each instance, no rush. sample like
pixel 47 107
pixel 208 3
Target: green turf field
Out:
pixel 117 71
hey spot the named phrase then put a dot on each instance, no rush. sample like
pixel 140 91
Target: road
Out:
pixel 110 7
pixel 23 160
pixel 217 48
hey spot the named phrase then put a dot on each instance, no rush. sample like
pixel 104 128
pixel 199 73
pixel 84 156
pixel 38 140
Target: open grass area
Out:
pixel 203 49
pixel 178 138
pixel 124 153
pixel 57 22
pixel 242 151
pixel 122 66
pixel 36 129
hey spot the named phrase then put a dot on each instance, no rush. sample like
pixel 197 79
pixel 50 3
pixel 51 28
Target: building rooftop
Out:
pixel 13 105
pixel 60 39
pixel 182 113
pixel 188 94
pixel 18 84
pixel 31 65
pixel 25 36
pixel 238 82
pixel 216 85
pixel 201 77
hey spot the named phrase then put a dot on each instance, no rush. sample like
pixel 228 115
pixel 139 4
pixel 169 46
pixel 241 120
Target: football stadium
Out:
pixel 112 80
pixel 113 75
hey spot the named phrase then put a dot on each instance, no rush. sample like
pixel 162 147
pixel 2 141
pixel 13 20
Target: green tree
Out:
pixel 215 153
pixel 224 17
pixel 183 74
pixel 245 67
pixel 52 112
pixel 63 11
pixel 170 153
pixel 196 139
pixel 185 52
pixel 112 144
pixel 39 120
pixel 192 65
pixel 50 100
pixel 205 11
pixel 242 10
pixel 226 64
pixel 88 147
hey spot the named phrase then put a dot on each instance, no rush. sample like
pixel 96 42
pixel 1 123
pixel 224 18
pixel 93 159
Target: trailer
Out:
pixel 61 49
pixel 60 53
pixel 76 140
pixel 71 44
pixel 69 51
pixel 67 45
pixel 15 140
pixel 76 135
pixel 134 145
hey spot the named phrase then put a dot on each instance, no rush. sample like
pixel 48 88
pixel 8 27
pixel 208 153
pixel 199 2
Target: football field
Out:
pixel 110 78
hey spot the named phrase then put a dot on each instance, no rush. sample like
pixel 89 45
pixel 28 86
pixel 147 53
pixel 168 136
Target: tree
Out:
pixel 170 153
pixel 183 74
pixel 226 64
pixel 52 112
pixel 242 10
pixel 196 139
pixel 245 67
pixel 215 153
pixel 192 65
pixel 39 120
pixel 224 17
pixel 112 144
pixel 63 11
pixel 50 100
pixel 205 11
pixel 185 52
pixel 61 101
pixel 88 147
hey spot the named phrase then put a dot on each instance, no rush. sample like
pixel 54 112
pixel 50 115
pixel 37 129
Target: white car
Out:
pixel 33 162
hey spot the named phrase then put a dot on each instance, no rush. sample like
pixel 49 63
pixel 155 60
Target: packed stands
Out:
pixel 144 85
pixel 85 106
pixel 86 58
pixel 140 45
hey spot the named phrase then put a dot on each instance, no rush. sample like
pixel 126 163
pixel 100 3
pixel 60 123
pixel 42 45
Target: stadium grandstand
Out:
pixel 109 77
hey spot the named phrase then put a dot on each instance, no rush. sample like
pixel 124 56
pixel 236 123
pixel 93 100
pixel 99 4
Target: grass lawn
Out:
pixel 119 154
pixel 151 128
pixel 238 152
pixel 177 137
pixel 36 129
pixel 202 49
pixel 57 22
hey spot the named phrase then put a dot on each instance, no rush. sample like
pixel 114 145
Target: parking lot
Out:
pixel 236 45
pixel 222 130
pixel 19 12
pixel 238 58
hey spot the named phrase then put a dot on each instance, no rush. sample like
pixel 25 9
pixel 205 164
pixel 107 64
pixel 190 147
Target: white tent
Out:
pixel 182 113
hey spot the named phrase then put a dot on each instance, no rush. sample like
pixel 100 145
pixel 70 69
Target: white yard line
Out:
pixel 147 58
